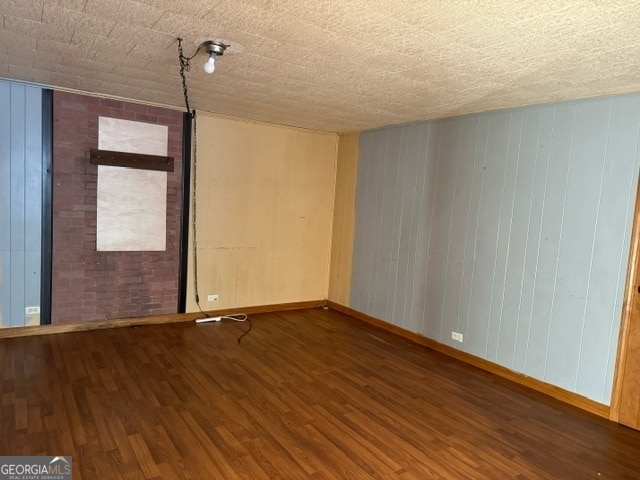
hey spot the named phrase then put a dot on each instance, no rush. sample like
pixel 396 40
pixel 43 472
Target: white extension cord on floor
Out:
pixel 238 317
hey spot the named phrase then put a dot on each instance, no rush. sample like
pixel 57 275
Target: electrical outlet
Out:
pixel 212 298
pixel 32 310
pixel 456 336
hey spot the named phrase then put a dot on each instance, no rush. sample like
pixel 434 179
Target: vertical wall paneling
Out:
pixel 343 220
pixel 511 227
pixel 394 176
pixel 457 226
pixel 5 206
pixel 18 215
pixel 411 223
pixel 474 166
pixel 417 153
pixel 32 201
pixel 20 202
pixel 574 270
pixel 535 216
pixel 501 334
pixel 561 141
pixel 363 223
pixel 610 242
pixel 442 213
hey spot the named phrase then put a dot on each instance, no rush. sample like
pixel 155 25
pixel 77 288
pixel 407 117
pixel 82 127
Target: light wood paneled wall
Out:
pixel 343 219
pixel 265 198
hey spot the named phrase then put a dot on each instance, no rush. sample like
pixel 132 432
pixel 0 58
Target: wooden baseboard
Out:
pixel 10 332
pixel 556 392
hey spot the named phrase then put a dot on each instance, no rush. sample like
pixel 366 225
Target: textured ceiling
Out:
pixel 328 64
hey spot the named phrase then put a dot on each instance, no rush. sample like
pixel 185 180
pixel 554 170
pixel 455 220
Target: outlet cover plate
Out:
pixel 32 310
pixel 456 336
pixel 212 297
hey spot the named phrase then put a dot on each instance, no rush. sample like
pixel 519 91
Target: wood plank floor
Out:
pixel 308 394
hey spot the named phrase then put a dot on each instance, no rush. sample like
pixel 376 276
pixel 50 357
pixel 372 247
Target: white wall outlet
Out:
pixel 456 336
pixel 212 297
pixel 32 310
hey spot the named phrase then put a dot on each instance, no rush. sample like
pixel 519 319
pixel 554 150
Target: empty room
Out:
pixel 272 239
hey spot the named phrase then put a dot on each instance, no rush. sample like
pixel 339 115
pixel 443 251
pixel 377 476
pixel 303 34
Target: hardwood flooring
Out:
pixel 308 394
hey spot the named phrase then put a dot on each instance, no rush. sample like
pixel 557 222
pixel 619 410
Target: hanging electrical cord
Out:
pixel 195 217
pixel 185 66
pixel 241 317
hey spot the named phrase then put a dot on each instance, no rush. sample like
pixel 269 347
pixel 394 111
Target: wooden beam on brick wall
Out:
pixel 131 160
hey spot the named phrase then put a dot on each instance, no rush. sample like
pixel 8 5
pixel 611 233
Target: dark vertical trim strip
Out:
pixel 47 207
pixel 186 200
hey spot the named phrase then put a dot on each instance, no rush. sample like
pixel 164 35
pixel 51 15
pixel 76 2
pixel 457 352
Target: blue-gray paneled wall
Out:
pixel 20 202
pixel 510 227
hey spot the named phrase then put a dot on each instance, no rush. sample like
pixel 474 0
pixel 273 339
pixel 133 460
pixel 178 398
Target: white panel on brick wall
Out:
pixel 510 227
pixel 132 203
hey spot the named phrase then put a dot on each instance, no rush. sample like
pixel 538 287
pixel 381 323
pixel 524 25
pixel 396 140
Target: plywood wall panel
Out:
pixel 521 240
pixel 514 231
pixel 471 148
pixel 614 217
pixel 343 220
pixel 265 199
pixel 561 140
pixel 20 202
pixel 535 217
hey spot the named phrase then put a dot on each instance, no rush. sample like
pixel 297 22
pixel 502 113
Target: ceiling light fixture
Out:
pixel 213 47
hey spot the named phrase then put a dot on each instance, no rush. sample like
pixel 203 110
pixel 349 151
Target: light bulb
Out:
pixel 210 64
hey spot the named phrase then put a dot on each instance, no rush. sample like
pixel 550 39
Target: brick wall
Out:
pixel 90 285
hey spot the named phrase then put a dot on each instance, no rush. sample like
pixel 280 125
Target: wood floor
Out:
pixel 308 394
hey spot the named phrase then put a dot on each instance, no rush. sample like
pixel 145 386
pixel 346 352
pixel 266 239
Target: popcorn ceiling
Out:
pixel 329 65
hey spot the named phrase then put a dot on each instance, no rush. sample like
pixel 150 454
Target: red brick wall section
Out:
pixel 90 285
